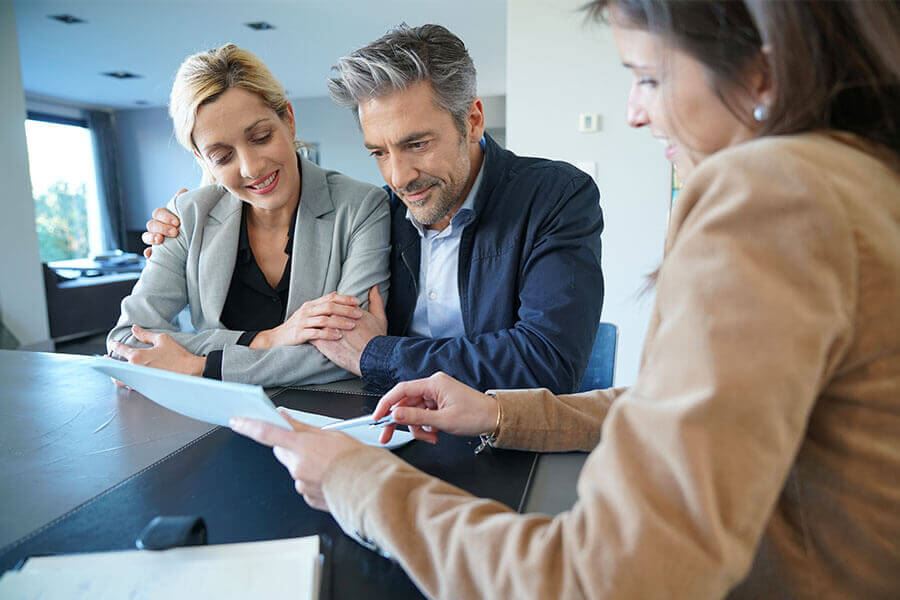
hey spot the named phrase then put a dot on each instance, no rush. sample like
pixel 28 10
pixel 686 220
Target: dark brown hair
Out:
pixel 833 65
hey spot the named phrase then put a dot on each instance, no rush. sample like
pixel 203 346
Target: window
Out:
pixel 64 184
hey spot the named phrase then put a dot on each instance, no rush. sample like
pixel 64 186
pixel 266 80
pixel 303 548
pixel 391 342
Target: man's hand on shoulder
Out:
pixel 162 224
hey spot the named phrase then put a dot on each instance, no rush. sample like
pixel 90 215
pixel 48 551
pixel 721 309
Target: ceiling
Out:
pixel 152 37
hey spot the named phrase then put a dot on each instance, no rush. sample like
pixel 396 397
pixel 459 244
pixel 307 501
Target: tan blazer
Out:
pixel 341 242
pixel 758 453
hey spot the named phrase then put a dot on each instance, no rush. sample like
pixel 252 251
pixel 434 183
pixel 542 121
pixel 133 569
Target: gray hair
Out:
pixel 404 56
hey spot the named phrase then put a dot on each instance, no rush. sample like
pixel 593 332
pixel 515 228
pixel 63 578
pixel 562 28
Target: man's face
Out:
pixel 421 153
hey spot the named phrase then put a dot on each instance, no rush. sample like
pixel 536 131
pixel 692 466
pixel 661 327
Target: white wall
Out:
pixel 558 67
pixel 153 166
pixel 23 303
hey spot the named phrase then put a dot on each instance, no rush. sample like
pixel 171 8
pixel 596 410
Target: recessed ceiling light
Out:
pixel 121 75
pixel 260 26
pixel 67 19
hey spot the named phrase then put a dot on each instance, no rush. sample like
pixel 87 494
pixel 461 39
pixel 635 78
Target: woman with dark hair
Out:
pixel 757 454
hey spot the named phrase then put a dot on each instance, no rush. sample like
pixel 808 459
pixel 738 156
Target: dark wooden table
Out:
pixel 85 465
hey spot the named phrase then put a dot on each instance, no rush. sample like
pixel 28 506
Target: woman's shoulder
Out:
pixel 806 187
pixel 345 191
pixel 196 206
pixel 817 159
pixel 814 171
pixel 347 186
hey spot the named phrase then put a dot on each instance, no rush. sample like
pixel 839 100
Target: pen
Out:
pixel 366 420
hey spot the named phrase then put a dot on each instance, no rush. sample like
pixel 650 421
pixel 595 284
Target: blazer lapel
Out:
pixel 313 235
pixel 218 254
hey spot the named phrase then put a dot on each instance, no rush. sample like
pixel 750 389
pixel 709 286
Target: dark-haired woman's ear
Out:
pixel 761 86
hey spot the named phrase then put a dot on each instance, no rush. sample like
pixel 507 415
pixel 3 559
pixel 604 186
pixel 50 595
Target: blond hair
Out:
pixel 205 76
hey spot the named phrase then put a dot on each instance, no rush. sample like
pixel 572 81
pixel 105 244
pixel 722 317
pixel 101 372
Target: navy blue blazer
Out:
pixel 530 284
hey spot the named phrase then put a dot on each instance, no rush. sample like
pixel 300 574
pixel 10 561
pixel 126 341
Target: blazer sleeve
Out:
pixel 560 298
pixel 539 420
pixel 755 302
pixel 366 264
pixel 161 293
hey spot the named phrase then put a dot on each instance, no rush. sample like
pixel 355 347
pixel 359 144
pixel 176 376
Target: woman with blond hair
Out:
pixel 758 453
pixel 273 247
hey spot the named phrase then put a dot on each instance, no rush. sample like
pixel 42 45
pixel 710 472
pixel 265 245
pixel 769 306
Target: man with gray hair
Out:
pixel 495 267
pixel 495 260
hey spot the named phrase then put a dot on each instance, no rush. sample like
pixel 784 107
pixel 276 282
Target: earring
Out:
pixel 760 112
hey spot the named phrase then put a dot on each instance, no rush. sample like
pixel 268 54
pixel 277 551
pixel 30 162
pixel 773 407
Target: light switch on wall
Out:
pixel 589 122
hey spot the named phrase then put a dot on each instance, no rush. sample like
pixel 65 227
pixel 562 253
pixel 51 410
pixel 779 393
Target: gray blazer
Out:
pixel 341 243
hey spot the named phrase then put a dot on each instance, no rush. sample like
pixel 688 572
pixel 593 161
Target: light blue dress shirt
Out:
pixel 438 313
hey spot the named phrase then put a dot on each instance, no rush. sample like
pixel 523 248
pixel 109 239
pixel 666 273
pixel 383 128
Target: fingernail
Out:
pixel 393 408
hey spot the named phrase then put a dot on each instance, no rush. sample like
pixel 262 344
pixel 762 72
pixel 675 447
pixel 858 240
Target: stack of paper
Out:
pixel 276 569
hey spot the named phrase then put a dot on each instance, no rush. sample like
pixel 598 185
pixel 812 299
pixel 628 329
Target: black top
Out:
pixel 252 305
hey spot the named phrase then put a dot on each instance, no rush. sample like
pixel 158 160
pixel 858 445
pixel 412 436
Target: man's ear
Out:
pixel 475 121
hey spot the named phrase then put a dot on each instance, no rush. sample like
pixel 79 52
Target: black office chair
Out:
pixel 602 363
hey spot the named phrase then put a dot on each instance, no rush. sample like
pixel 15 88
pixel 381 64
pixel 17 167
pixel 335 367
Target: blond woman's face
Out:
pixel 249 149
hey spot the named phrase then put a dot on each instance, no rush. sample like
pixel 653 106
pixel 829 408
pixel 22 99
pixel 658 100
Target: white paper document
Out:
pixel 367 435
pixel 275 569
pixel 195 397
pixel 217 402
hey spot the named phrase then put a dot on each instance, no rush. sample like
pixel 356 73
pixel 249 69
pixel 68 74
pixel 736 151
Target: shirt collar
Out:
pixel 464 215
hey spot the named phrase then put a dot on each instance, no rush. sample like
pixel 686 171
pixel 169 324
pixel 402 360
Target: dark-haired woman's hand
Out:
pixel 437 403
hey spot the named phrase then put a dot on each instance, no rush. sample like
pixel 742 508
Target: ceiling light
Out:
pixel 260 26
pixel 67 19
pixel 121 75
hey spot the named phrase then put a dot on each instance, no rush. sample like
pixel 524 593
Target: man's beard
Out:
pixel 436 205
pixel 441 199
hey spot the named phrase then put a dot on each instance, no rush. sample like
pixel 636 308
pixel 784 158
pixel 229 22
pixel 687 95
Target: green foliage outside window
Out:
pixel 61 222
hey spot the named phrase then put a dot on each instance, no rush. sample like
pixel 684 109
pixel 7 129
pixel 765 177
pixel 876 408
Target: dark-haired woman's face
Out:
pixel 671 95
